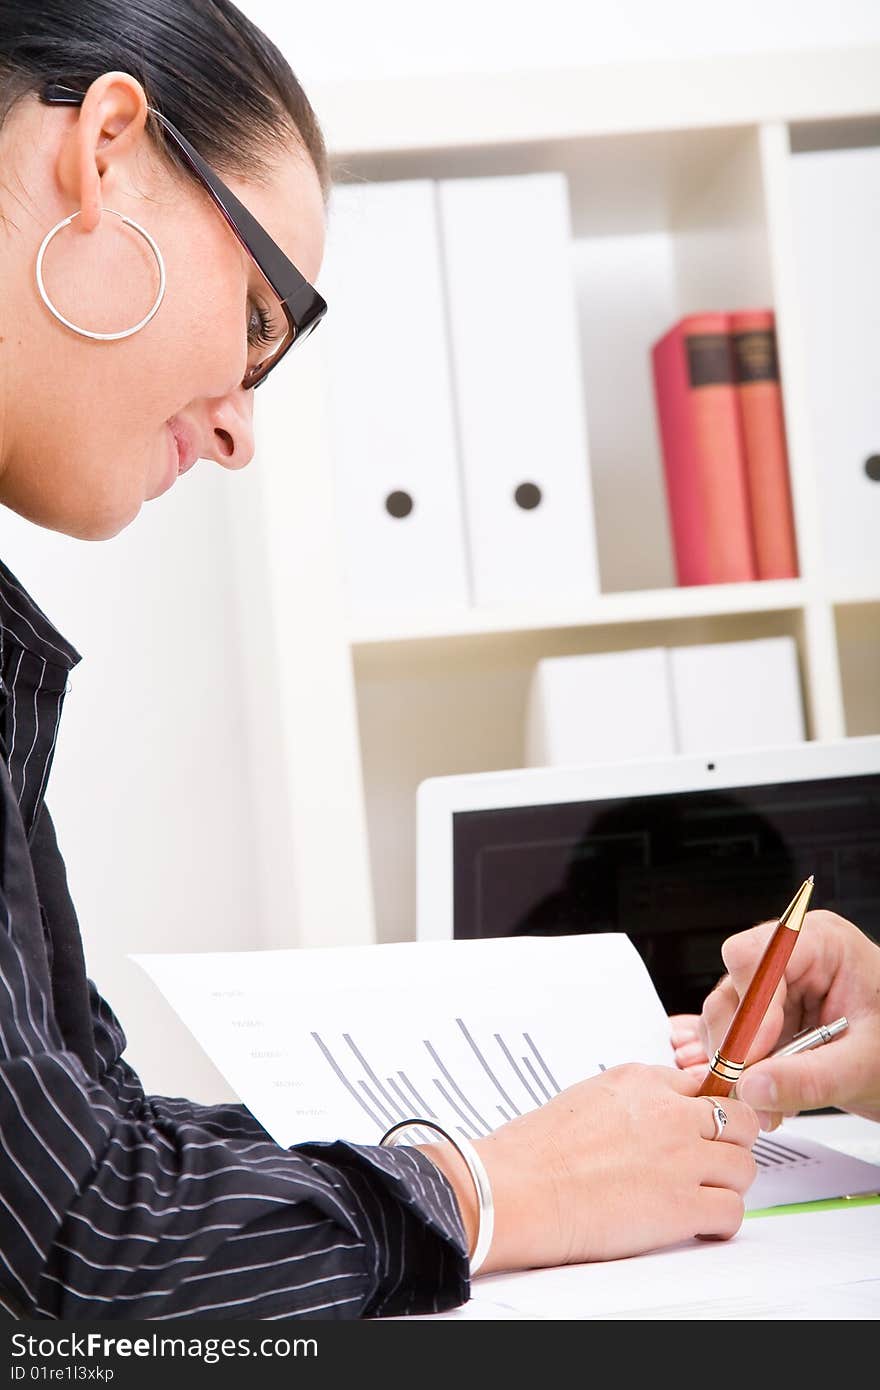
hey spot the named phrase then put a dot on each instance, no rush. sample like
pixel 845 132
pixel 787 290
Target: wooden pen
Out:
pixel 727 1065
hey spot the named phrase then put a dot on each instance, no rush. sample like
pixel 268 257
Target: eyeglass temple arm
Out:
pixel 58 94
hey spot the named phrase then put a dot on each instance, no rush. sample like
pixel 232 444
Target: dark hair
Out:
pixel 202 63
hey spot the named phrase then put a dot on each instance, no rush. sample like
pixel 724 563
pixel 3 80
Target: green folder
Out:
pixel 826 1204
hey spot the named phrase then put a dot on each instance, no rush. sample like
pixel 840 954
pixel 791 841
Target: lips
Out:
pixel 187 447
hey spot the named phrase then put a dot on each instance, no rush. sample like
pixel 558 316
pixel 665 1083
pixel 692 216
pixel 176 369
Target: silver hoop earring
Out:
pixel 87 332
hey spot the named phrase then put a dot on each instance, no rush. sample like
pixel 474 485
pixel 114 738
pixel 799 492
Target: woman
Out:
pixel 179 116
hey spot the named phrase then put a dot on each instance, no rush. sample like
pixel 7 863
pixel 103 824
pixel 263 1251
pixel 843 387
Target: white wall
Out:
pixel 347 38
pixel 151 790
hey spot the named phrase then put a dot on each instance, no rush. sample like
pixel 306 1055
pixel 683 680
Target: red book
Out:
pixel 756 370
pixel 703 455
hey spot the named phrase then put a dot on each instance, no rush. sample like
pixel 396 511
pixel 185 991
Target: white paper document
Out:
pixel 342 1042
pixel 823 1265
pixel 323 1043
pixel 792 1169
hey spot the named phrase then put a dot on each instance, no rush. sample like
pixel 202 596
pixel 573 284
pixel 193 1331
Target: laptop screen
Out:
pixel 677 871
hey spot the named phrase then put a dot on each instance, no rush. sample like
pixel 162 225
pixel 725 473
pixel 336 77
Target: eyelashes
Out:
pixel 261 331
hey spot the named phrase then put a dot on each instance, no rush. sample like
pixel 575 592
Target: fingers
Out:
pixel 742 952
pixel 762 1093
pixel 687 1083
pixel 697 1071
pixel 810 1081
pixel 687 1044
pixel 720 1213
pixel 741 1127
pixel 692 1055
pixel 719 1008
pixel 683 1028
pixel 729 1168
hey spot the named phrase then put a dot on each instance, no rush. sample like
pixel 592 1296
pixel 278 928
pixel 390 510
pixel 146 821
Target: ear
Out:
pixel 109 125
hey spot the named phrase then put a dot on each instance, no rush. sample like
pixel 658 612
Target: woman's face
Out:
pixel 87 429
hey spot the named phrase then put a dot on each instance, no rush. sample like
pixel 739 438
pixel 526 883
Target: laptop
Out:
pixel 679 853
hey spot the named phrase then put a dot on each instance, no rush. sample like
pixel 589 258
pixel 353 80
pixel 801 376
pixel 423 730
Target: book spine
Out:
pixel 703 454
pixel 756 371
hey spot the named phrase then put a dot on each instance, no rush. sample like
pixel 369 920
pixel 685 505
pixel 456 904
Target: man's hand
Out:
pixel 834 970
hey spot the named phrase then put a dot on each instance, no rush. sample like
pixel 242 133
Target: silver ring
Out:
pixel 720 1117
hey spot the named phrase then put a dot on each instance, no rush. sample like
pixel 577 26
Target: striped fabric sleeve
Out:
pixel 114 1204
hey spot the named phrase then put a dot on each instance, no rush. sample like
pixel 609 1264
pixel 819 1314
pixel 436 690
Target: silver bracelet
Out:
pixel 479 1177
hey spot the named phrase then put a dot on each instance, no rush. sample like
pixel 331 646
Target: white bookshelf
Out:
pixel 678 175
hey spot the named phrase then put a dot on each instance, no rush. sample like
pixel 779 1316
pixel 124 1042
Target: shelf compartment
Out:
pixel 663 224
pixel 858 646
pixel 458 705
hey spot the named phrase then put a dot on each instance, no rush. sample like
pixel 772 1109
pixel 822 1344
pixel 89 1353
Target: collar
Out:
pixel 27 624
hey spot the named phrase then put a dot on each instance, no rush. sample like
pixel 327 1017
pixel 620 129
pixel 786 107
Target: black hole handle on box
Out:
pixel 528 496
pixel 399 505
pixel 872 467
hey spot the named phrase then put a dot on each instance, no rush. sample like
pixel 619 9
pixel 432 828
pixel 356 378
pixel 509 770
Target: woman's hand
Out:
pixel 834 970
pixel 618 1164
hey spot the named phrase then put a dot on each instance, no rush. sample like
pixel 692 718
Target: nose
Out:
pixel 230 430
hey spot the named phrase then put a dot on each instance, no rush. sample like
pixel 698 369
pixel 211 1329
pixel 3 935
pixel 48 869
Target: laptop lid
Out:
pixel 679 853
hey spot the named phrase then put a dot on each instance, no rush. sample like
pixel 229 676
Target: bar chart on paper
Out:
pixel 343 1042
pixel 346 1041
pixel 505 1084
pixel 796 1169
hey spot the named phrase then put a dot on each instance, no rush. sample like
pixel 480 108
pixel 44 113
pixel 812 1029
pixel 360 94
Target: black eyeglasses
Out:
pixel 301 303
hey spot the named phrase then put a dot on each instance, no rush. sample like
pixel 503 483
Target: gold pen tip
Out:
pixel 794 914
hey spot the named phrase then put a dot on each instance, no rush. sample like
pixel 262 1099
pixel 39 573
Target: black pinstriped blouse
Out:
pixel 115 1204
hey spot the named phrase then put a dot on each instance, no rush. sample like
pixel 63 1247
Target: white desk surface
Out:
pixel 822 1265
